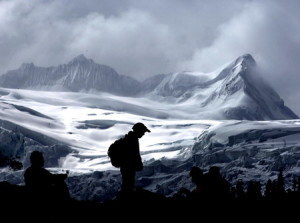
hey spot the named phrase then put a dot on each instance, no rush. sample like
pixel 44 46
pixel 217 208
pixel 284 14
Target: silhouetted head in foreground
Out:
pixel 37 159
pixel 214 171
pixel 196 174
pixel 139 129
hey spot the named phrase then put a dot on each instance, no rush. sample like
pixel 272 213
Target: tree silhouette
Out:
pixel 240 193
pixel 280 183
pixel 298 182
pixel 257 188
pixel 269 187
pixel 295 184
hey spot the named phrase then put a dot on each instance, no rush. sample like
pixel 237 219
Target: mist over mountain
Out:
pixel 234 91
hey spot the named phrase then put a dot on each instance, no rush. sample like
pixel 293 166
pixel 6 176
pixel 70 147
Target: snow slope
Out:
pixel 88 123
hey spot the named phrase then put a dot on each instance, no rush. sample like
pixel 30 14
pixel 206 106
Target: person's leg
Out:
pixel 128 182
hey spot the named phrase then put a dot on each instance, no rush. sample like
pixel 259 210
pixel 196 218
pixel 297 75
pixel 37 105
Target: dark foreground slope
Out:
pixel 16 205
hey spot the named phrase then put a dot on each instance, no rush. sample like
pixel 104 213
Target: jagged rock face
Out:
pixel 18 142
pixel 246 149
pixel 234 92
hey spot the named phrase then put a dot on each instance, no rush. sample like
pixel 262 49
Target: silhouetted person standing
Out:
pixel 131 161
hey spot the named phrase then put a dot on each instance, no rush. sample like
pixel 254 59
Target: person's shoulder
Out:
pixel 29 169
pixel 45 171
pixel 129 137
pixel 129 134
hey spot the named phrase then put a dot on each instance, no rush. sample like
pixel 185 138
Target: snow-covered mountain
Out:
pixel 186 113
pixel 234 91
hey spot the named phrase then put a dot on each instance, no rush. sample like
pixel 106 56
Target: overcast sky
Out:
pixel 140 38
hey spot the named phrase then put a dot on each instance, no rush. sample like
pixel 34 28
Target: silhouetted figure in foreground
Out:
pixel 210 187
pixel 44 187
pixel 197 178
pixel 216 186
pixel 131 161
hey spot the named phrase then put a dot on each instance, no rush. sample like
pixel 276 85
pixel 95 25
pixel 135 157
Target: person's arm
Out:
pixel 27 178
pixel 139 163
pixel 59 178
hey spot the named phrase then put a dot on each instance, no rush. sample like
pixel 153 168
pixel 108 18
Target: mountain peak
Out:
pixel 27 65
pixel 80 59
pixel 245 60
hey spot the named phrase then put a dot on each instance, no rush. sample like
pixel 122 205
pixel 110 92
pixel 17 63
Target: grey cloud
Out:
pixel 138 38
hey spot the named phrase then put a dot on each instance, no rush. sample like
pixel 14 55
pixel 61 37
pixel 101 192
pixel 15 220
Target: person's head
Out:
pixel 37 159
pixel 196 174
pixel 139 129
pixel 214 171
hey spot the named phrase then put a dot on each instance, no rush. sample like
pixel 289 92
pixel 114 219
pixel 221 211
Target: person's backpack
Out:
pixel 115 152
